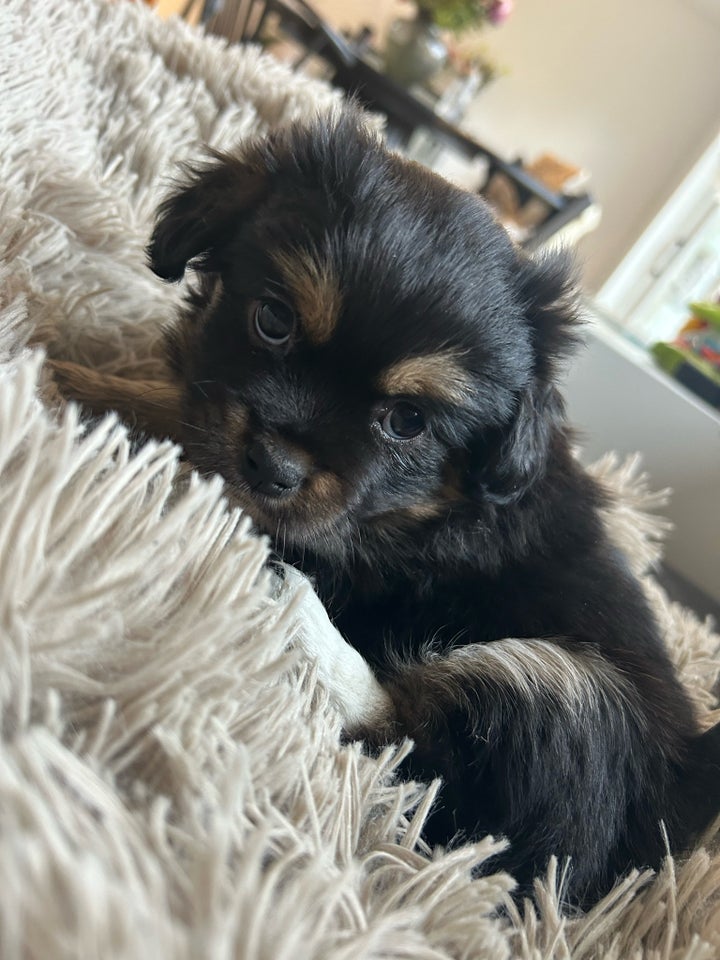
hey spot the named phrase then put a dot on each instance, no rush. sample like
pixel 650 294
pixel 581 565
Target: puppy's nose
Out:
pixel 271 469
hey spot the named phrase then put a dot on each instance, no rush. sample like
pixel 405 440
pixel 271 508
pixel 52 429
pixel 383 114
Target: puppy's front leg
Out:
pixel 352 686
pixel 151 405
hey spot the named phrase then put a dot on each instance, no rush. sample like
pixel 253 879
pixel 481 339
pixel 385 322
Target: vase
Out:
pixel 414 50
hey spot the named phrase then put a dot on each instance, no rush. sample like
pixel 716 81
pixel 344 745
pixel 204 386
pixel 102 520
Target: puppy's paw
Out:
pixel 351 684
pixel 74 381
pixel 152 406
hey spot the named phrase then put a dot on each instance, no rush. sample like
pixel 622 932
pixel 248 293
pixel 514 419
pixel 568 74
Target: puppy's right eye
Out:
pixel 273 322
pixel 403 421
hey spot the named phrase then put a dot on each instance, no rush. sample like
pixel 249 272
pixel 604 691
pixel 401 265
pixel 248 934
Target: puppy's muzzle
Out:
pixel 272 469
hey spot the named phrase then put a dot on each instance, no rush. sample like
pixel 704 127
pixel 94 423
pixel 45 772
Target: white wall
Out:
pixel 677 437
pixel 630 90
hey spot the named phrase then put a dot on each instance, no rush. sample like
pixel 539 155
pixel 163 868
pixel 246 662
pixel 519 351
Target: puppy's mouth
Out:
pixel 287 498
pixel 287 494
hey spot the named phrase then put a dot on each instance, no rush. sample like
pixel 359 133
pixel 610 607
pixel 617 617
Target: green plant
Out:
pixel 460 15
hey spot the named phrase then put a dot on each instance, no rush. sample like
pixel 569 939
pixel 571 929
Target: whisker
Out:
pixel 198 384
pixel 274 285
pixel 191 426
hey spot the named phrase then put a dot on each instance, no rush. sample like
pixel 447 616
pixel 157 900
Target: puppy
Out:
pixel 370 364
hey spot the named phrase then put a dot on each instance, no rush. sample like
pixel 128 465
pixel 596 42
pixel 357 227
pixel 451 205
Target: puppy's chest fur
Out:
pixel 383 613
pixel 484 575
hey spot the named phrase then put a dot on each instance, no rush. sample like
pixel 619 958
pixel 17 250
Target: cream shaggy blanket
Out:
pixel 171 778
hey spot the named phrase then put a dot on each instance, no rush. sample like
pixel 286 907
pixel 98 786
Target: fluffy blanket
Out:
pixel 171 778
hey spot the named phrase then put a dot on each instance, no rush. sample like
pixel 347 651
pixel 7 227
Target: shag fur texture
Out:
pixel 171 781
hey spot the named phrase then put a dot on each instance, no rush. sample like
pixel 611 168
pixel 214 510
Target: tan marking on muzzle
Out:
pixel 315 291
pixel 324 493
pixel 237 418
pixel 437 375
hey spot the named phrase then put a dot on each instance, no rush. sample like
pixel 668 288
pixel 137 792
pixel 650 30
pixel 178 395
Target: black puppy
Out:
pixel 370 364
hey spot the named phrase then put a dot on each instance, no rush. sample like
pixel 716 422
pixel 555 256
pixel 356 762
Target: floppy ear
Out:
pixel 508 460
pixel 197 219
pixel 505 463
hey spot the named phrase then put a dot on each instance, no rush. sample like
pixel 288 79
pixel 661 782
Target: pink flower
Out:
pixel 499 11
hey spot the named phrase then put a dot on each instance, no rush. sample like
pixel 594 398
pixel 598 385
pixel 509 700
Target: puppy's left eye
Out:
pixel 403 421
pixel 273 322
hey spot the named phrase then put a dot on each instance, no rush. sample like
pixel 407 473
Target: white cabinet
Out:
pixel 620 401
pixel 676 260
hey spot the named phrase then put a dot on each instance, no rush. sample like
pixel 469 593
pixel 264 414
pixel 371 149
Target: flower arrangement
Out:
pixel 460 15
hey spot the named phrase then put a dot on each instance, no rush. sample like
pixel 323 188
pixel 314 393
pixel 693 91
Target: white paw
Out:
pixel 350 682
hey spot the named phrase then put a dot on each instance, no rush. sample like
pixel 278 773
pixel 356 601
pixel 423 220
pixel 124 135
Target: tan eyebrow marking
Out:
pixel 438 375
pixel 315 291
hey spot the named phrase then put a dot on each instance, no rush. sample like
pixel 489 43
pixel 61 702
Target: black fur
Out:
pixel 483 527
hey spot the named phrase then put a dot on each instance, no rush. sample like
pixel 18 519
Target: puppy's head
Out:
pixel 369 348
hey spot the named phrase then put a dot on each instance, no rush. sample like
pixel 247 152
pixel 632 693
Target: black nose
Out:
pixel 271 469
